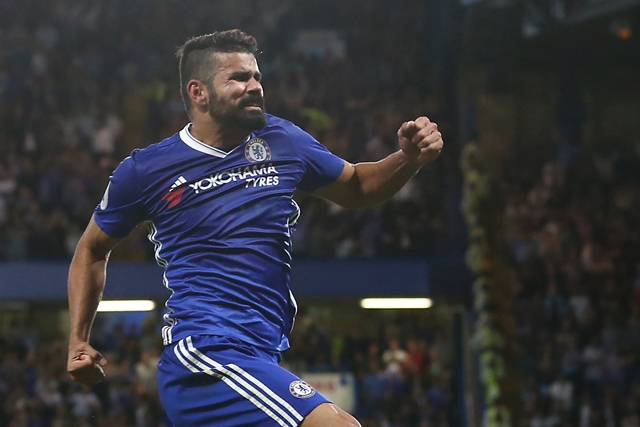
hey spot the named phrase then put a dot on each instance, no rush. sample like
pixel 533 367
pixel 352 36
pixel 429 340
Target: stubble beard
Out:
pixel 233 116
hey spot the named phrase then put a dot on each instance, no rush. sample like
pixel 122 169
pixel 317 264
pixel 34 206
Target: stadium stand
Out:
pixel 83 83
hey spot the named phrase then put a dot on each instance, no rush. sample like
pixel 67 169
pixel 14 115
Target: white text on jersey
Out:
pixel 253 175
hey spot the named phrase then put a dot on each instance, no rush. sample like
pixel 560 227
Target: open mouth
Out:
pixel 253 107
pixel 253 104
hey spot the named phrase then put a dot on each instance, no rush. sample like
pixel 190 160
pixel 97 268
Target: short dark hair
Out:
pixel 198 62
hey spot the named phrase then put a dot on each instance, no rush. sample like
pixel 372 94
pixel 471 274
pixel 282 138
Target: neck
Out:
pixel 214 135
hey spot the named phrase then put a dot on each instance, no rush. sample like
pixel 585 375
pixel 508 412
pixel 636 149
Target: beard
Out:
pixel 236 116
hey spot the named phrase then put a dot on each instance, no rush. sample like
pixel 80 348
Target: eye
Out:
pixel 245 76
pixel 241 77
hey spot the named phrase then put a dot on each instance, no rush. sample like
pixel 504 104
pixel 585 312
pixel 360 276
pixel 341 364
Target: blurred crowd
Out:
pixel 36 391
pixel 82 84
pixel 402 367
pixel 574 236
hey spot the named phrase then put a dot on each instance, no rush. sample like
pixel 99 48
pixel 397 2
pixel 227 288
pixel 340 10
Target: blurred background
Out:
pixel 524 234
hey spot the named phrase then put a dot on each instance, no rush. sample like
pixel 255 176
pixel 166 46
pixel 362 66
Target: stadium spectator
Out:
pixel 576 263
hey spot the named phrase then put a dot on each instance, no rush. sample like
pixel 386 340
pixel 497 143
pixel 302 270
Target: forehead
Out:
pixel 230 62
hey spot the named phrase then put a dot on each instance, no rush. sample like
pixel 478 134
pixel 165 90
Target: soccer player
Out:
pixel 218 200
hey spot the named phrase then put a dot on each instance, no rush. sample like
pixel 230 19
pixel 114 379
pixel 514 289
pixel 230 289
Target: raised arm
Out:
pixel 85 287
pixel 370 183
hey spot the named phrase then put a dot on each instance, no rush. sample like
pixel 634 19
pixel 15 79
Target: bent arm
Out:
pixel 370 183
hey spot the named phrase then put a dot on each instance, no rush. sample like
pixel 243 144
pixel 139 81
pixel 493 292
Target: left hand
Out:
pixel 85 364
pixel 420 140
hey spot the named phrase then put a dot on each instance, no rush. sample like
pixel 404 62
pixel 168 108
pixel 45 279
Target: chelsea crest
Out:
pixel 301 389
pixel 257 150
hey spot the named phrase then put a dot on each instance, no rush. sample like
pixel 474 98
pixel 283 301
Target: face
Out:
pixel 236 98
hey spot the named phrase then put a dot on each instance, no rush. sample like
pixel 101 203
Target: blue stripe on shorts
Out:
pixel 217 381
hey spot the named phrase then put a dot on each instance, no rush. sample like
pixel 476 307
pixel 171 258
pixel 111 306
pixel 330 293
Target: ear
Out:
pixel 198 93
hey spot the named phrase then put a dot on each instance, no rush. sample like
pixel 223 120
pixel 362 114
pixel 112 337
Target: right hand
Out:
pixel 85 364
pixel 420 140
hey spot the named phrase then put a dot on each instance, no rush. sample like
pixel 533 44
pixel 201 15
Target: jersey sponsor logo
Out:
pixel 257 150
pixel 175 192
pixel 253 176
pixel 104 203
pixel 301 389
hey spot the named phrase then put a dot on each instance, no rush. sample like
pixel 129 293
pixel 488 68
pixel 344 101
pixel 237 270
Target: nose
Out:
pixel 254 87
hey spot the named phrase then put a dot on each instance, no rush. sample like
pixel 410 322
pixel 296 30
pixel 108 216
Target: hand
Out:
pixel 420 140
pixel 85 364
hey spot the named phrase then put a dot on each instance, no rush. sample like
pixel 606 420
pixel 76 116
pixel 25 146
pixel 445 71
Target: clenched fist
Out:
pixel 85 364
pixel 420 140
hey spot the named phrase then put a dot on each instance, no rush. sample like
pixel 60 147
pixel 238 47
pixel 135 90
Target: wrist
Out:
pixel 410 161
pixel 77 341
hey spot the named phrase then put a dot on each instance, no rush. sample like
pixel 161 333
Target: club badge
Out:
pixel 301 389
pixel 257 150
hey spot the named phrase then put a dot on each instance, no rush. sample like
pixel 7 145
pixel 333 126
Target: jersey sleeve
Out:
pixel 322 167
pixel 121 208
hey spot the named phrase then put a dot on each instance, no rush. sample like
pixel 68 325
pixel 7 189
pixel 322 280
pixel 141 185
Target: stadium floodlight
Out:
pixel 126 305
pixel 396 303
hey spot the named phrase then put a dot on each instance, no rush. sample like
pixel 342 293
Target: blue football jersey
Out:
pixel 221 224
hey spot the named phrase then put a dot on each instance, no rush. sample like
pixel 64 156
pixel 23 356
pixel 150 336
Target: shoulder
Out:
pixel 152 158
pixel 283 128
pixel 146 162
pixel 150 153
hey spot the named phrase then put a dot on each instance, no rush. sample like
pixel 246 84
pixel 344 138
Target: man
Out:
pixel 218 200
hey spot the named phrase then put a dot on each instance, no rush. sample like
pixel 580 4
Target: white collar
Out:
pixel 196 144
